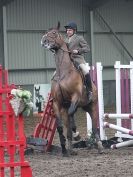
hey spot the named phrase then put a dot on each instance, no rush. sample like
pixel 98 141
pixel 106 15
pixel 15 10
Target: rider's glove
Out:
pixel 75 51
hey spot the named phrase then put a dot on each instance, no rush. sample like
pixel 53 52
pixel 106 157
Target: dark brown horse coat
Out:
pixel 68 91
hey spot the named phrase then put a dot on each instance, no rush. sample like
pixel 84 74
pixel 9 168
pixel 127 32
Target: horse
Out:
pixel 39 99
pixel 68 90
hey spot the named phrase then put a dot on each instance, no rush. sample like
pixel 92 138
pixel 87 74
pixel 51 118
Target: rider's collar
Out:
pixel 70 38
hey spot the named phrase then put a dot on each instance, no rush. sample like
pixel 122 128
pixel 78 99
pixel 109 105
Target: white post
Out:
pixel 92 36
pixel 100 100
pixel 89 125
pixel 118 93
pixel 89 120
pixel 131 90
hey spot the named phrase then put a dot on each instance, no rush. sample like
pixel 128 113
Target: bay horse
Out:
pixel 68 90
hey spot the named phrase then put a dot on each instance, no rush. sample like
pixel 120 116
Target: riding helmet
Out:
pixel 71 25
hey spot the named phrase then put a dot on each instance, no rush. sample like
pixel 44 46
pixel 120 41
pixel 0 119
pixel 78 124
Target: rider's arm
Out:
pixel 84 47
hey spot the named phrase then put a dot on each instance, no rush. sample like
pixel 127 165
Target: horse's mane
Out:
pixel 58 25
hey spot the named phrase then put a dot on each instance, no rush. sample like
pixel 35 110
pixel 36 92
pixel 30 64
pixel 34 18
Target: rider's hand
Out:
pixel 75 51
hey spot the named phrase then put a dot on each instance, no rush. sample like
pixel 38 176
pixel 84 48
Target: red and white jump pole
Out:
pixel 122 144
pixel 120 129
pixel 118 68
pixel 118 115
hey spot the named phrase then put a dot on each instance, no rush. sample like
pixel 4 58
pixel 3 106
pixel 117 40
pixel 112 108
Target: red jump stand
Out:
pixel 12 138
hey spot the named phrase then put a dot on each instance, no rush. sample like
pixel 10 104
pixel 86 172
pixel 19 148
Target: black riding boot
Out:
pixel 88 85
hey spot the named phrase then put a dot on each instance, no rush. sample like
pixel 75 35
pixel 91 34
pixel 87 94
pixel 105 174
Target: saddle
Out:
pixel 84 81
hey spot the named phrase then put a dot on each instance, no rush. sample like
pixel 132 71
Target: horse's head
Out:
pixel 52 39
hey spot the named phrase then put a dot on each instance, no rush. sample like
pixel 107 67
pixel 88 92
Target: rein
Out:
pixel 66 50
pixel 58 81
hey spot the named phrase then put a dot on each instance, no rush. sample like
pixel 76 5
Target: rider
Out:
pixel 78 46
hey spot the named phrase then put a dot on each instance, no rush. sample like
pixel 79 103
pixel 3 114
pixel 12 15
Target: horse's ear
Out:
pixel 58 25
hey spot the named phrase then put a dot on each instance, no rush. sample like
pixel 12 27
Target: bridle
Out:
pixel 55 38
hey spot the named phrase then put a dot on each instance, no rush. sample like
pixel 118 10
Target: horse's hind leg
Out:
pixel 93 113
pixel 59 123
pixel 69 135
pixel 61 136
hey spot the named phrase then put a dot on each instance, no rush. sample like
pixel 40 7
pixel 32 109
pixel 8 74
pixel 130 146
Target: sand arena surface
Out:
pixel 114 163
pixel 88 163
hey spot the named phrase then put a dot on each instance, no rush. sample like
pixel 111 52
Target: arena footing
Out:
pixel 55 149
pixel 106 143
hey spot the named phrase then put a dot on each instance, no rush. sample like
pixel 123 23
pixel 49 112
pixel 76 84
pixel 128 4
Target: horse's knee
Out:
pixel 58 122
pixel 72 109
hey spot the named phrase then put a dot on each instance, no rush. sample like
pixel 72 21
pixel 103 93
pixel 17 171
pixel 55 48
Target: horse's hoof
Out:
pixel 101 151
pixel 77 138
pixel 100 148
pixel 74 153
pixel 65 153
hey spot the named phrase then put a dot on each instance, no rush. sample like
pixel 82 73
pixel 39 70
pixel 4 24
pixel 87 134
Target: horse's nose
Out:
pixel 42 43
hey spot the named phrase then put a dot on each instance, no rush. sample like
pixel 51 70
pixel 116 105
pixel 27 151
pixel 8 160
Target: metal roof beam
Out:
pixel 4 2
pixel 96 3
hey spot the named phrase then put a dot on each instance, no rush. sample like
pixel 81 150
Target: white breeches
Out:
pixel 85 68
